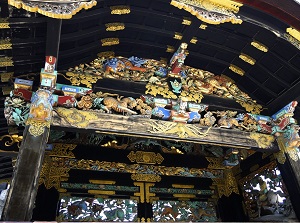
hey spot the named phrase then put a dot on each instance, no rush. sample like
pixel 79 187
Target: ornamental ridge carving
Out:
pixel 53 8
pixel 146 177
pixel 145 157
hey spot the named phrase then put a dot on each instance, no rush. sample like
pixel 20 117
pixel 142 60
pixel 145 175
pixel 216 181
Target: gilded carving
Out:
pixel 6 62
pixel 263 141
pixel 186 21
pixel 62 150
pixel 145 157
pixel 76 118
pixel 182 130
pixel 203 26
pixel 170 49
pixel 120 9
pixel 4 24
pixel 110 41
pixel 177 36
pixel 5 77
pixel 211 11
pixel 106 54
pixel 247 59
pixel 53 8
pixel 53 173
pixel 236 69
pixel 137 168
pixel 40 113
pixel 116 26
pixel 226 186
pixel 194 40
pixel 259 46
pixel 146 177
pixel 6 90
pixel 215 163
pixel 5 44
pixel 77 79
pixel 291 151
pixel 13 139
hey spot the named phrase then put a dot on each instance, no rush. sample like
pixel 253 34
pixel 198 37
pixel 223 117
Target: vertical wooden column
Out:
pixel 23 190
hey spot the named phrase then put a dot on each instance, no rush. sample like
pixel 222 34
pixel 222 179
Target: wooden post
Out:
pixel 23 190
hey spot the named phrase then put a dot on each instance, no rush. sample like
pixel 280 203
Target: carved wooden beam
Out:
pixel 139 126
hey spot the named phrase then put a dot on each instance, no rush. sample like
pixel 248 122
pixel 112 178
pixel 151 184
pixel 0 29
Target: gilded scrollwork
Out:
pixel 80 78
pixel 263 141
pixel 215 163
pixel 227 185
pixel 5 77
pixel 12 139
pixel 76 117
pixel 179 129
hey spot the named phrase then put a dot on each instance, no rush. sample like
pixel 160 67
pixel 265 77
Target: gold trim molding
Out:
pixel 120 9
pixel 294 33
pixel 259 46
pixel 110 41
pixel 247 59
pixel 236 69
pixel 5 44
pixel 115 26
pixel 55 9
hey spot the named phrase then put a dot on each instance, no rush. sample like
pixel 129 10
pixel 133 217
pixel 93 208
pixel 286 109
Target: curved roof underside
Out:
pixel 150 27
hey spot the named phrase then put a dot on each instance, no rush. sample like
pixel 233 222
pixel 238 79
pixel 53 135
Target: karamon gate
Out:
pixel 134 138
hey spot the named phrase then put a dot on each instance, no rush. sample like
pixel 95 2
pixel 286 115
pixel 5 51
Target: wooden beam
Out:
pixel 139 126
